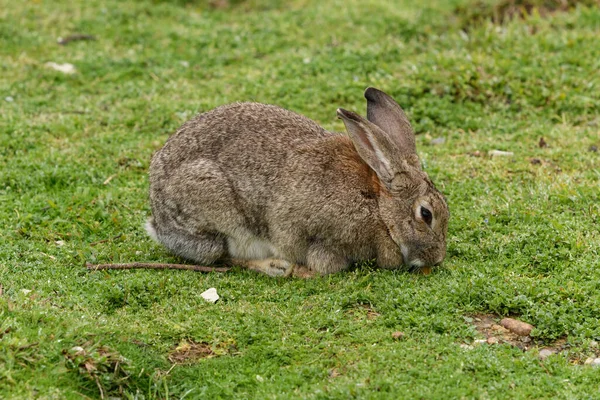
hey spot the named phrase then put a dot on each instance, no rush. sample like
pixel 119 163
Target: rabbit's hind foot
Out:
pixel 269 266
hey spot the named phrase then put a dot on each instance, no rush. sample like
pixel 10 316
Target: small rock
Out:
pixel 437 141
pixel 260 378
pixel 184 64
pixel 492 340
pixel 499 328
pixel 525 339
pixel 210 295
pixel 397 335
pixel 536 161
pixel 60 242
pixel 479 341
pixel 545 353
pixel 476 153
pixel 77 349
pixel 25 291
pixel 500 153
pixel 9 99
pixel 593 344
pixel 594 362
pixel 486 326
pixel 65 68
pixel 519 327
pixel 592 148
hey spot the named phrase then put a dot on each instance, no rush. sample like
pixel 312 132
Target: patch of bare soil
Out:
pixel 189 351
pixel 516 333
pixel 489 326
pixel 503 11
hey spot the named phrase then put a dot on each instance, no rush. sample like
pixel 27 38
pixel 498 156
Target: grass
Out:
pixel 74 154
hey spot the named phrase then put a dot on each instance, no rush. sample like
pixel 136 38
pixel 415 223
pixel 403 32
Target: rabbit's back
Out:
pixel 228 160
pixel 261 133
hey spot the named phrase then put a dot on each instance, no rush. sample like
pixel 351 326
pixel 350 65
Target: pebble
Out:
pixel 439 140
pixel 545 353
pixel 492 340
pixel 594 362
pixel 65 68
pixel 593 344
pixel 515 326
pixel 210 295
pixel 480 341
pixel 9 99
pixel 500 153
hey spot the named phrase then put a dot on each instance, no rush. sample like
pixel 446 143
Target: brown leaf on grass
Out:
pixel 542 143
pixel 397 335
pixel 188 351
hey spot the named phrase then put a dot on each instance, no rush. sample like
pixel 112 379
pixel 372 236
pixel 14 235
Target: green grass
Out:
pixel 523 237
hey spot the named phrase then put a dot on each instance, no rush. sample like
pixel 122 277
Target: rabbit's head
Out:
pixel 413 210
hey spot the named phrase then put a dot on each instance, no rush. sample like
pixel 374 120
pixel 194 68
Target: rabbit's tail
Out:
pixel 151 230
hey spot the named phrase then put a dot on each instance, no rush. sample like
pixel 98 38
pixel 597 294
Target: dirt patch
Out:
pixel 189 351
pixel 502 11
pixel 106 367
pixel 494 333
pixel 490 327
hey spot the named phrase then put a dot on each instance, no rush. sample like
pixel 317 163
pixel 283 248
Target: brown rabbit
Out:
pixel 260 186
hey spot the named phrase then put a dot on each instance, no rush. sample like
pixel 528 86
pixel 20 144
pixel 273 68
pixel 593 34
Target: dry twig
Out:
pixel 198 268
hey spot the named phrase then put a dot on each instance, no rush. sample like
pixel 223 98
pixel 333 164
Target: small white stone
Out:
pixel 588 361
pixel 25 291
pixel 210 295
pixel 260 378
pixel 9 99
pixel 594 344
pixel 500 153
pixel 60 242
pixel 480 341
pixel 77 349
pixel 596 362
pixel 65 68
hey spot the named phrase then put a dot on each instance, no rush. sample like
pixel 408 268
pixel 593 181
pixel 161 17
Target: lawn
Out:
pixel 523 237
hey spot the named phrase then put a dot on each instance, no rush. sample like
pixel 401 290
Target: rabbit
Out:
pixel 264 188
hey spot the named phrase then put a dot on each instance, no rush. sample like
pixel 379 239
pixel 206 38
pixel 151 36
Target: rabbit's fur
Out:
pixel 263 187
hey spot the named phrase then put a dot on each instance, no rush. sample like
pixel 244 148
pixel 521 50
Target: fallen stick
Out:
pixel 134 265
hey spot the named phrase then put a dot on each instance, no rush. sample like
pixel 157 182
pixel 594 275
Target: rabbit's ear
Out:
pixel 384 112
pixel 370 145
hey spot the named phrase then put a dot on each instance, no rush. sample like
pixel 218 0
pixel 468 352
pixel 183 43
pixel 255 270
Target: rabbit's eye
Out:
pixel 426 215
